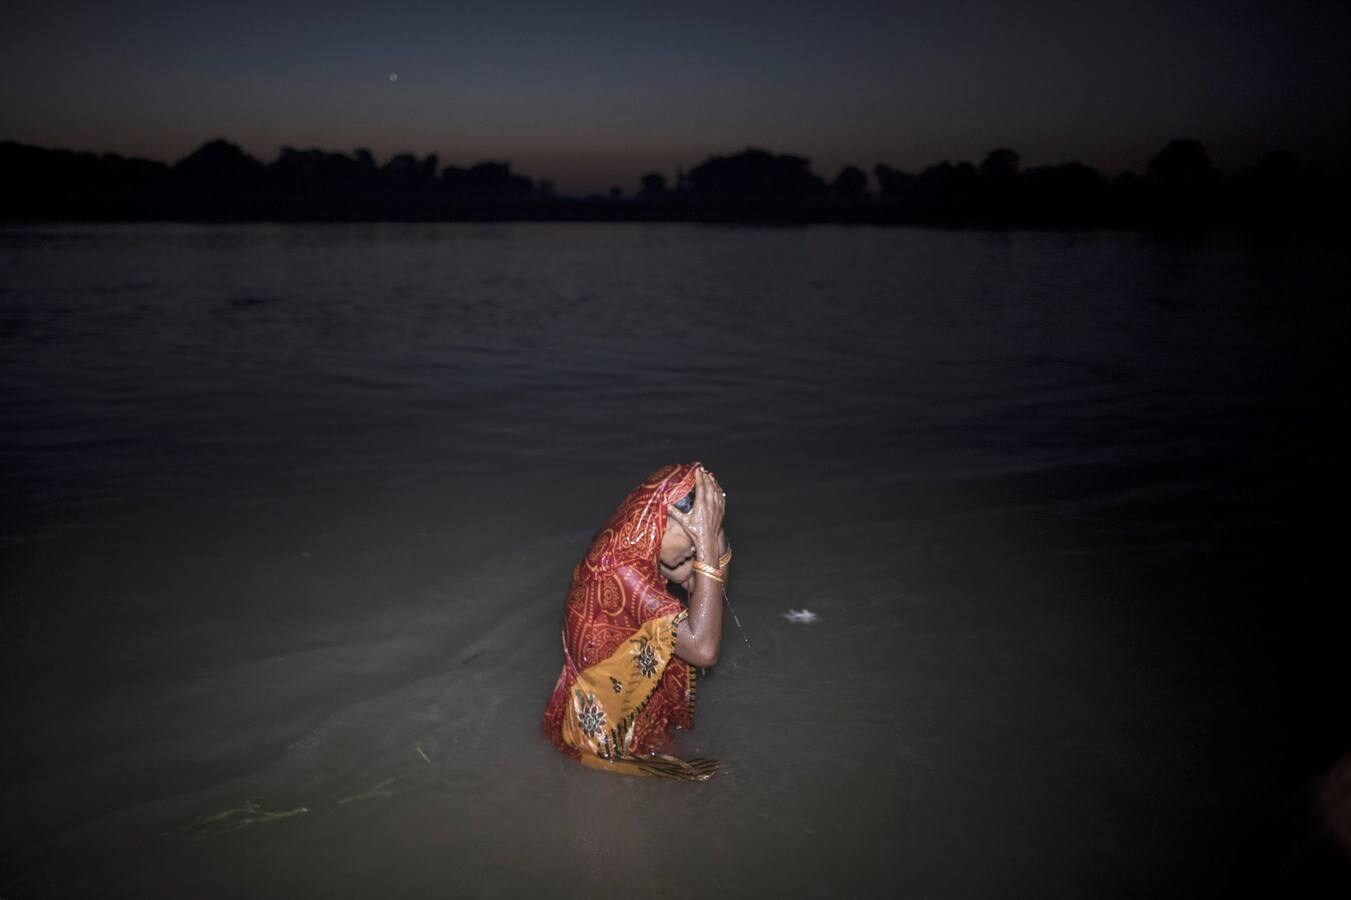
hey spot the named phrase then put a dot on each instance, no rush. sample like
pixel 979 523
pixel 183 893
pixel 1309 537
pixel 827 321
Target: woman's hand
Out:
pixel 704 521
pixel 700 635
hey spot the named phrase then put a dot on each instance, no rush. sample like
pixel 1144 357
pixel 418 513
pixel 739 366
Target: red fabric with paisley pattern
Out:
pixel 615 589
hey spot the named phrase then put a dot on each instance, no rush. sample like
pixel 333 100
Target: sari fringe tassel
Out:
pixel 658 765
pixel 680 769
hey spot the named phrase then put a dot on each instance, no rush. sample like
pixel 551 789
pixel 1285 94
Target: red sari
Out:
pixel 622 689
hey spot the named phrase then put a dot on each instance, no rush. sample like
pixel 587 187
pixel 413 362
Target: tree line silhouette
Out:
pixel 220 182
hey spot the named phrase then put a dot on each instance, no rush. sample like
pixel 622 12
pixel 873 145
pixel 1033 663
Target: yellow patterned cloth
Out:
pixel 607 698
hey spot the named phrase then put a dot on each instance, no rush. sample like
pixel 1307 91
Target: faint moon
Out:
pixel 393 76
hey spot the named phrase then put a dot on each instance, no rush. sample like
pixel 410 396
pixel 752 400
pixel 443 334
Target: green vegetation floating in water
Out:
pixel 251 813
pixel 378 791
pixel 381 789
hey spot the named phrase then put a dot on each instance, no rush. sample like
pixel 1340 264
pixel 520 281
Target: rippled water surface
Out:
pixel 157 360
pixel 290 511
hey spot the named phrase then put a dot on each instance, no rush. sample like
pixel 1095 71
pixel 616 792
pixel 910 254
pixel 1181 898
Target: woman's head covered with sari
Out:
pixel 622 688
pixel 634 531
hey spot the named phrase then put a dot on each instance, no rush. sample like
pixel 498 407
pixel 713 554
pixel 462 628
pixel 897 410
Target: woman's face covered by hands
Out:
pixel 677 552
pixel 693 522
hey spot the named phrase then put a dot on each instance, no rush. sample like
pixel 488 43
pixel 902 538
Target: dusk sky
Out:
pixel 594 94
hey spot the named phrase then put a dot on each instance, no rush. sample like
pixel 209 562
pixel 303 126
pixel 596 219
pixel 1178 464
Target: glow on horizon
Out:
pixel 594 95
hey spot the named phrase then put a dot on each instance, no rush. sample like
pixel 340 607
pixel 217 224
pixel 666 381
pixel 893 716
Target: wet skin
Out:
pixel 697 535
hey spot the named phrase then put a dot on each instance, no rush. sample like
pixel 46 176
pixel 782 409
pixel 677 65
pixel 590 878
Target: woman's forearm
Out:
pixel 699 638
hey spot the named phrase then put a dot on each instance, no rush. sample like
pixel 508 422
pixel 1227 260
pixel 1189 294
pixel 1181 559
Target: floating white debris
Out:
pixel 800 616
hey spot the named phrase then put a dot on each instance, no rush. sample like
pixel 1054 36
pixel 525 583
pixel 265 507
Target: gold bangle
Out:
pixel 709 572
pixel 725 559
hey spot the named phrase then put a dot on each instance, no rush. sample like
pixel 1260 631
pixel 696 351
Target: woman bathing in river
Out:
pixel 629 645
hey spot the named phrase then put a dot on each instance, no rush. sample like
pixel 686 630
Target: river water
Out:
pixel 290 510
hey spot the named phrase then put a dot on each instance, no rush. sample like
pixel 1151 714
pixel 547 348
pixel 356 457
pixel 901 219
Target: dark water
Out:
pixel 148 361
pixel 284 504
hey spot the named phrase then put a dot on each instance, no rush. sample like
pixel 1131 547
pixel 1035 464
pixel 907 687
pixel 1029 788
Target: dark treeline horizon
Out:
pixel 1180 187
